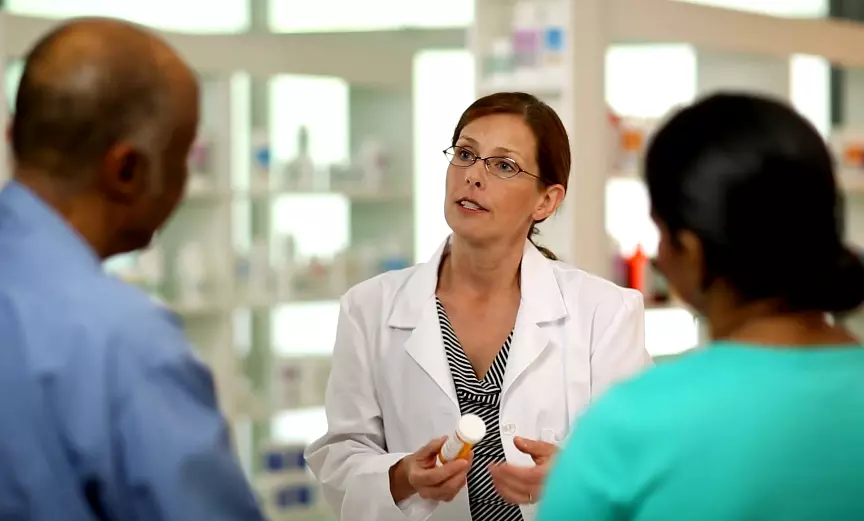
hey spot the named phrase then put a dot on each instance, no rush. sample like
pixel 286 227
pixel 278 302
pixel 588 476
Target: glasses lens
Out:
pixel 503 167
pixel 460 157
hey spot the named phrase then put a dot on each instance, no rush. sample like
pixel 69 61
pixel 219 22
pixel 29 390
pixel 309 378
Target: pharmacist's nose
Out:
pixel 474 174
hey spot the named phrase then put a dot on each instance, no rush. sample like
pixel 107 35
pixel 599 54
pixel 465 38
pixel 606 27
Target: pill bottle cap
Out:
pixel 471 429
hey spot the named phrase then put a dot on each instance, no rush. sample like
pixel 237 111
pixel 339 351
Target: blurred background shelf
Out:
pixel 352 195
pixel 319 161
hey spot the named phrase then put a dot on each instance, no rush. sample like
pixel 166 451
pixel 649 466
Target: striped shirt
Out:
pixel 480 397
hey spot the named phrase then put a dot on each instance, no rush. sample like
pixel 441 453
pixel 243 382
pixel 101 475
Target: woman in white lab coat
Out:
pixel 491 324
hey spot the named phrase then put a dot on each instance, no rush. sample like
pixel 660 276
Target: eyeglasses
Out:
pixel 502 167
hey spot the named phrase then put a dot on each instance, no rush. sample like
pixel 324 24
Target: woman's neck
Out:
pixel 761 326
pixel 481 270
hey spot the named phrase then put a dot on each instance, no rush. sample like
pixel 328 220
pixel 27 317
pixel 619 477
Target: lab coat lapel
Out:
pixel 414 309
pixel 542 305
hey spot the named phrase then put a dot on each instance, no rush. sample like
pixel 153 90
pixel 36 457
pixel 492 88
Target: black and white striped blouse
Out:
pixel 480 397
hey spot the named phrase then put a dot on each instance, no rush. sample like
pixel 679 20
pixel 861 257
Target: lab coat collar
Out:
pixel 541 295
pixel 414 309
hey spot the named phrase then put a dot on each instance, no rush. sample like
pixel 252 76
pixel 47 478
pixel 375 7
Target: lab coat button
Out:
pixel 508 429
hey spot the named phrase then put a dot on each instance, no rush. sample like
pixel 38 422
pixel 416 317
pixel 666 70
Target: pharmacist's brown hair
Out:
pixel 553 144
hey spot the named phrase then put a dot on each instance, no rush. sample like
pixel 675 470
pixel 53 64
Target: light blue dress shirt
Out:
pixel 105 413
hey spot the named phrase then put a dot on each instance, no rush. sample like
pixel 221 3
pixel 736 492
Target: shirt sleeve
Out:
pixel 172 442
pixel 588 479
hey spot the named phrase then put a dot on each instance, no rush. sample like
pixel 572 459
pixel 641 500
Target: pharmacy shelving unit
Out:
pixel 736 49
pixel 223 212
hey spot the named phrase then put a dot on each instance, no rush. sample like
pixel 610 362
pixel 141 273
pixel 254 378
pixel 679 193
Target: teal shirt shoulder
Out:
pixel 729 432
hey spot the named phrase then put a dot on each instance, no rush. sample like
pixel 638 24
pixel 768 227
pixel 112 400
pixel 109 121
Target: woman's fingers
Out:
pixel 518 485
pixel 438 475
pixel 441 483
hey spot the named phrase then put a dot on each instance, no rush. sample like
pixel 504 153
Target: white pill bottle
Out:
pixel 469 432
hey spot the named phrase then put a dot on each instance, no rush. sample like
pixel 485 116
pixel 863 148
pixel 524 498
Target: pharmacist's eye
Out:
pixel 504 166
pixel 465 155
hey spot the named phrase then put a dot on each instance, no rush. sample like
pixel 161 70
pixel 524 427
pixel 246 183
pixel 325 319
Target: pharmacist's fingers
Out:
pixel 431 449
pixel 437 476
pixel 519 478
pixel 511 487
pixel 448 490
pixel 427 456
pixel 540 451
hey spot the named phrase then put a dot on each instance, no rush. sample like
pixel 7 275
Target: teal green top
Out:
pixel 732 432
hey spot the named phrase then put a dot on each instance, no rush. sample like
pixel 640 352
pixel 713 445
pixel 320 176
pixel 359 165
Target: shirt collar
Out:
pixel 26 215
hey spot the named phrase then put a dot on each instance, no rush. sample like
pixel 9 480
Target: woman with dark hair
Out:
pixel 492 325
pixel 767 422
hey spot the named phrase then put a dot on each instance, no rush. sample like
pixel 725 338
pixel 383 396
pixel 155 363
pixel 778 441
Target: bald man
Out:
pixel 105 414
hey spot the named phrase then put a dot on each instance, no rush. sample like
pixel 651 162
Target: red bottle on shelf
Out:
pixel 637 269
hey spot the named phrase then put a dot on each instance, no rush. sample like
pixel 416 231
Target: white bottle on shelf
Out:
pixel 259 271
pixel 192 275
pixel 372 160
pixel 151 268
pixel 339 273
pixel 301 172
pixel 499 65
pixel 288 269
pixel 288 374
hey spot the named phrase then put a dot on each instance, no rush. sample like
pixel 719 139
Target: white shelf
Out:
pixel 728 30
pixel 207 194
pixel 338 54
pixel 351 194
pixel 202 310
pixel 213 309
pixel 541 85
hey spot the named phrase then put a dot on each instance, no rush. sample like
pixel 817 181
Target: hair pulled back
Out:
pixel 553 144
pixel 754 181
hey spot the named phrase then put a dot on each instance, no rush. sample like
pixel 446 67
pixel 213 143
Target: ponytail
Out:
pixel 542 249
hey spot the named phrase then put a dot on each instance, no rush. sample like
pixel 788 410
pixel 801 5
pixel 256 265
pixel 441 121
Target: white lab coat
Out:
pixel 390 389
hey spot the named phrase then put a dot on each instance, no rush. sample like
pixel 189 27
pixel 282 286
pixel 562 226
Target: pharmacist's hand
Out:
pixel 431 481
pixel 522 485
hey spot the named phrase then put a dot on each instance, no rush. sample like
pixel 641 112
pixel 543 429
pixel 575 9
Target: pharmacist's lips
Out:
pixel 471 204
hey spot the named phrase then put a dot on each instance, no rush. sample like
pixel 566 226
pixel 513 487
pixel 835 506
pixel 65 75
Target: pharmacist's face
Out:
pixel 481 206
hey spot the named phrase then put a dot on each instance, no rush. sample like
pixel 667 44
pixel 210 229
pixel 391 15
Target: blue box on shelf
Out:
pixel 283 459
pixel 295 496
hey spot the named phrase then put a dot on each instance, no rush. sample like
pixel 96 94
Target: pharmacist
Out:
pixel 491 325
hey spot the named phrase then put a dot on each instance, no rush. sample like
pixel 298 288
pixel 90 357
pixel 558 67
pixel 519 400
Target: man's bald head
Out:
pixel 89 85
